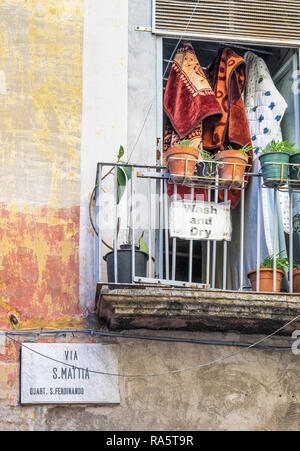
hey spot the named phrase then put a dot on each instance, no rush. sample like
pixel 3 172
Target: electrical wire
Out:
pixel 164 373
pixel 164 339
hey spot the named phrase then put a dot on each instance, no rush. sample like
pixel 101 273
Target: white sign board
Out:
pixel 62 373
pixel 200 220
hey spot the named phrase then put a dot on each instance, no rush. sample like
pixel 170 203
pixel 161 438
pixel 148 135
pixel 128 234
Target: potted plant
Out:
pixel 206 167
pixel 124 173
pixel 266 273
pixel 294 168
pixel 296 278
pixel 296 223
pixel 296 272
pixel 124 253
pixel 234 161
pixel 275 163
pixel 181 160
pixel 124 258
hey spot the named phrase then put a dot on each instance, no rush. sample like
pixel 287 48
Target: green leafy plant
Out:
pixel 123 174
pixel 296 264
pixel 205 155
pixel 209 159
pixel 280 146
pixel 142 243
pixel 296 223
pixel 281 262
pixel 245 149
pixel 184 143
pixel 143 246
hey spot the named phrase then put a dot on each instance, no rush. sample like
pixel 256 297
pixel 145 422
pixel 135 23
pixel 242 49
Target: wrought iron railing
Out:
pixel 146 207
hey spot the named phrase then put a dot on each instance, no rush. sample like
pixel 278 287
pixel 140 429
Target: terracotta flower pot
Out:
pixel 231 173
pixel 181 161
pixel 266 279
pixel 296 280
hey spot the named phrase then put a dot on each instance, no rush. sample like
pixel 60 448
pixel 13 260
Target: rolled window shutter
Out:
pixel 268 22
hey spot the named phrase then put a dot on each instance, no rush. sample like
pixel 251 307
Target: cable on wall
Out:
pixel 176 371
pixel 165 339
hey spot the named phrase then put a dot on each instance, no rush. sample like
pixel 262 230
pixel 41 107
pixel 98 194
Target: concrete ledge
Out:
pixel 201 310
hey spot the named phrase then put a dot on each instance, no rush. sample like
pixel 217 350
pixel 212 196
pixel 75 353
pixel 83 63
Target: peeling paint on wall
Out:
pixel 40 138
pixel 39 266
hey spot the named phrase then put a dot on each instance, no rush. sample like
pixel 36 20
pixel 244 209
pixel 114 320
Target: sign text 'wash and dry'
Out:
pixel 200 220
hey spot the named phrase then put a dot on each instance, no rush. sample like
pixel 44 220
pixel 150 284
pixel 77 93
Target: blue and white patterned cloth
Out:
pixel 264 104
pixel 265 108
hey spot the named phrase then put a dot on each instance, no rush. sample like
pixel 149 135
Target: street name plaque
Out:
pixel 63 373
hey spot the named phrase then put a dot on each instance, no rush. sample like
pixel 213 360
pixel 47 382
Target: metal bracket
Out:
pixel 151 175
pixel 170 283
pixel 146 29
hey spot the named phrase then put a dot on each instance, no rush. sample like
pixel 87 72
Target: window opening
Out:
pixel 276 59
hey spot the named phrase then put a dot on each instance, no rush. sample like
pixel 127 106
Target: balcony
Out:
pixel 151 276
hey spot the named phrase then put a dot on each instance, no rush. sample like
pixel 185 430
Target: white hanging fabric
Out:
pixel 265 108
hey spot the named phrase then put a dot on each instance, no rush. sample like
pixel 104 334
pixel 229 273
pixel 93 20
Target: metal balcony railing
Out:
pixel 144 213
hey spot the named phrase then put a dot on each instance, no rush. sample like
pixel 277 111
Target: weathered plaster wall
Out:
pixel 40 136
pixel 104 121
pixel 255 390
pixel 119 87
pixel 141 85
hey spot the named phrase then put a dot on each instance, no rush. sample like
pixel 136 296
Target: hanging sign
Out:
pixel 200 220
pixel 63 373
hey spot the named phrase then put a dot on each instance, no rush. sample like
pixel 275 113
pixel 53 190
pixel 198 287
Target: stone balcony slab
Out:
pixel 196 309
